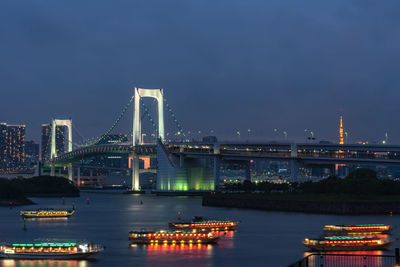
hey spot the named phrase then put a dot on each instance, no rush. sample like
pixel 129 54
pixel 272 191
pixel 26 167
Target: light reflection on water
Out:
pixel 262 239
pixel 44 263
pixel 349 259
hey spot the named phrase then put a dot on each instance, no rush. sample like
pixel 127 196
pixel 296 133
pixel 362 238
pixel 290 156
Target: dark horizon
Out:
pixel 226 66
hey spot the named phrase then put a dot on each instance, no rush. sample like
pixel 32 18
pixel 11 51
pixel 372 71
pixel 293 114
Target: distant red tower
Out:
pixel 341 139
pixel 341 142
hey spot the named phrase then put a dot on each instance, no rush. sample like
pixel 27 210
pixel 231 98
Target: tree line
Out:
pixel 360 181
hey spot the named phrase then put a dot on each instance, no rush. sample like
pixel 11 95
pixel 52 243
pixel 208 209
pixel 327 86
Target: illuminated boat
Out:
pixel 347 243
pixel 206 224
pixel 358 229
pixel 172 237
pixel 46 213
pixel 50 249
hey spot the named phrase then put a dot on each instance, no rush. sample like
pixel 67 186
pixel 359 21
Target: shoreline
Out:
pixel 343 207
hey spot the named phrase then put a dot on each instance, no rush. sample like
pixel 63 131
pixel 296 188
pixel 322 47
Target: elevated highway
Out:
pixel 305 152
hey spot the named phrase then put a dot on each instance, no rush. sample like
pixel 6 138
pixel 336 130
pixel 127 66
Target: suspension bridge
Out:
pixel 184 165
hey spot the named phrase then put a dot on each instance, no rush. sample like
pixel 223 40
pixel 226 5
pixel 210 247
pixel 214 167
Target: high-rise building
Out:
pixel 31 153
pixel 46 140
pixel 3 145
pixel 15 145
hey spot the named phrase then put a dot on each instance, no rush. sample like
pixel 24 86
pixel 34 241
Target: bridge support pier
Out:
pixel 247 171
pixel 135 173
pixel 294 170
pixel 52 169
pixel 181 158
pixel 78 174
pixel 217 167
pixel 70 171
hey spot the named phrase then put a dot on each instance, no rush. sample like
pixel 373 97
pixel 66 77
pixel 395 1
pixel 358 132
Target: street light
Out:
pixel 285 134
pixel 143 134
pixel 238 133
pixel 311 133
pixel 248 132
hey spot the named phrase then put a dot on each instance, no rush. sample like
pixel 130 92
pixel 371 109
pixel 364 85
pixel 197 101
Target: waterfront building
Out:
pixel 15 145
pixel 3 145
pixel 46 140
pixel 31 153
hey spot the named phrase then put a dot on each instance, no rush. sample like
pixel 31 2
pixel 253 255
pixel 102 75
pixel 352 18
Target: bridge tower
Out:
pixel 137 131
pixel 53 154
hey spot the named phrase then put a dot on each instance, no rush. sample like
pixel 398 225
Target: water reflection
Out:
pixel 47 219
pixel 350 259
pixel 225 239
pixel 44 263
pixel 156 254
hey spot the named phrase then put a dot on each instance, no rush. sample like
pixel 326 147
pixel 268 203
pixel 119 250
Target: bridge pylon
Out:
pixel 53 152
pixel 137 131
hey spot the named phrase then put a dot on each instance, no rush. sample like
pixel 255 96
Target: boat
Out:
pixel 46 213
pixel 50 249
pixel 358 229
pixel 348 243
pixel 172 237
pixel 205 224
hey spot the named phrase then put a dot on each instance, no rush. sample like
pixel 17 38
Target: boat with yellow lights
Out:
pixel 46 213
pixel 358 229
pixel 206 224
pixel 172 237
pixel 50 249
pixel 348 243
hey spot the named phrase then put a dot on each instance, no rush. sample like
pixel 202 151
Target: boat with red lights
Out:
pixel 206 224
pixel 172 237
pixel 348 243
pixel 46 213
pixel 50 249
pixel 360 229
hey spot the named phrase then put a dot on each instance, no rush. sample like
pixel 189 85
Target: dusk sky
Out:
pixel 224 65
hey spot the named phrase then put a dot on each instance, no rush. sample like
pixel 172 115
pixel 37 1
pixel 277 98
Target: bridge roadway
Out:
pixel 86 152
pixel 307 153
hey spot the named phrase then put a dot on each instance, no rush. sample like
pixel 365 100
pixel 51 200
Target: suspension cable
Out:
pixel 114 124
pixel 180 129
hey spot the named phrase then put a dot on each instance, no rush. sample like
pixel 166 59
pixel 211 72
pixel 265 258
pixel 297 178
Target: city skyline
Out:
pixel 284 66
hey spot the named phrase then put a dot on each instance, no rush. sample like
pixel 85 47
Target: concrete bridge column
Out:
pixel 70 171
pixel 217 166
pixel 294 170
pixel 135 172
pixel 39 169
pixel 181 157
pixel 293 150
pixel 333 171
pixel 247 170
pixel 217 148
pixel 90 173
pixel 78 174
pixel 52 169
